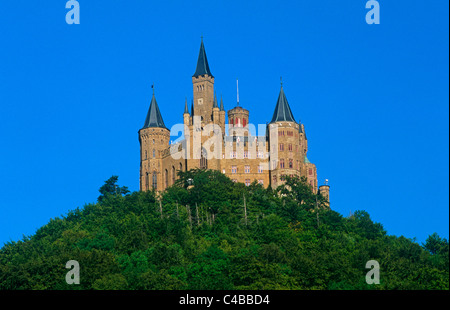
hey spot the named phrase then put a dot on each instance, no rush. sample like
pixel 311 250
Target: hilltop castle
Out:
pixel 241 156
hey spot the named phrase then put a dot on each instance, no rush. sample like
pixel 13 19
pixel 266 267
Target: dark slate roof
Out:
pixel 221 104
pixel 186 110
pixel 282 111
pixel 154 118
pixel 202 63
pixel 215 102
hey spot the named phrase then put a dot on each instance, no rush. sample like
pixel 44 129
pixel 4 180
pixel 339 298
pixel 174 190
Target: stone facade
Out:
pixel 236 153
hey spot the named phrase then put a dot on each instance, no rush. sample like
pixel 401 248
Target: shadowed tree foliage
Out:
pixel 207 232
pixel 111 188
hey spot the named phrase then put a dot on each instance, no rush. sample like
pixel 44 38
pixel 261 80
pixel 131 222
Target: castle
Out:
pixel 240 155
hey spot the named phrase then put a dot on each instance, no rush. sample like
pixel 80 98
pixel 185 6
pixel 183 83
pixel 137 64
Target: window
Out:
pixel 274 178
pixel 290 147
pixel 166 178
pixel 310 171
pixel 247 182
pixel 245 154
pixel 155 181
pixel 291 164
pixel 147 183
pixel 234 180
pixel 145 154
pixel 260 169
pixel 281 147
pixel 181 167
pixel 281 163
pixel 261 182
pixel 274 164
pixel 247 169
pixel 244 122
pixel 233 169
pixel 282 177
pixel 173 175
pixel 203 160
pixel 154 153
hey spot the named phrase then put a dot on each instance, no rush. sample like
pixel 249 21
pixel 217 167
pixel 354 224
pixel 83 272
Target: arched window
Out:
pixel 166 178
pixel 147 183
pixel 203 160
pixel 154 153
pixel 173 174
pixel 181 167
pixel 145 154
pixel 155 180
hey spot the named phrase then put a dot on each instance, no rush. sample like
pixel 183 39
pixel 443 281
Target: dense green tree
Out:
pixel 111 188
pixel 207 232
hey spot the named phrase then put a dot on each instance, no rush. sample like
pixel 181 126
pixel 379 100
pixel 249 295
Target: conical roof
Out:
pixel 154 118
pixel 221 104
pixel 202 63
pixel 186 110
pixel 282 111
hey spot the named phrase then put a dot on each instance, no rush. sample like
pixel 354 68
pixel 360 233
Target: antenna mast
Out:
pixel 237 86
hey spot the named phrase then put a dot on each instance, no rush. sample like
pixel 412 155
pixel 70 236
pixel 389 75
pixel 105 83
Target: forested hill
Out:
pixel 216 234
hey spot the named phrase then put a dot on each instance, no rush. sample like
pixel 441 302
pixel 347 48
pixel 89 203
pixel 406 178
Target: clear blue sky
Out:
pixel 374 98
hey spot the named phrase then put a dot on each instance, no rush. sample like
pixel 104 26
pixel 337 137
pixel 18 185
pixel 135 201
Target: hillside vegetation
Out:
pixel 217 234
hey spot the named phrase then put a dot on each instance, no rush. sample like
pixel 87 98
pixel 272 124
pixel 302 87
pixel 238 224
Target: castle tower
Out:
pixel 324 191
pixel 203 86
pixel 238 121
pixel 285 155
pixel 154 139
pixel 186 115
pixel 222 116
pixel 216 112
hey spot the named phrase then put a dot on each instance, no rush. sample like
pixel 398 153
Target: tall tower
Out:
pixel 324 190
pixel 203 86
pixel 154 139
pixel 285 154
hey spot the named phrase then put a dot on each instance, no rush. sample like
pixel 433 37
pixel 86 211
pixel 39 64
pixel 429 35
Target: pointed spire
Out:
pixel 221 104
pixel 186 110
pixel 215 105
pixel 282 109
pixel 202 63
pixel 154 118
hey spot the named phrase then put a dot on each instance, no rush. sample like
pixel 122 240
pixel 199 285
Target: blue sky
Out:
pixel 374 98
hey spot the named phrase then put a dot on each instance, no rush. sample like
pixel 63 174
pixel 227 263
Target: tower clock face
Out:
pixel 200 101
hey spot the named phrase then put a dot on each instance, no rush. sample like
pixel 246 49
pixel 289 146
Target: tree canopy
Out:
pixel 207 232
